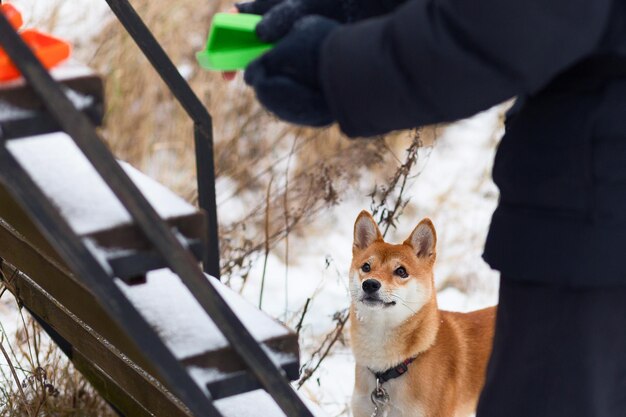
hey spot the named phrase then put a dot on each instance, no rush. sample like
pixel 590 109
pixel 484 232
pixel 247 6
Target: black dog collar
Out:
pixel 394 372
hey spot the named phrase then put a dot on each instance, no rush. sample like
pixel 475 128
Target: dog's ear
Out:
pixel 423 240
pixel 365 231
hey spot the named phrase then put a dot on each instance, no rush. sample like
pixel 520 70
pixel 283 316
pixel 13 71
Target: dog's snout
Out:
pixel 370 286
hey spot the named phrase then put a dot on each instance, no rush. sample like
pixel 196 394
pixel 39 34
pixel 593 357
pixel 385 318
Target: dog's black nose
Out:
pixel 370 286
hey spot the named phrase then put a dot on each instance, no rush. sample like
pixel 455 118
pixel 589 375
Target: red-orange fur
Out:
pixel 451 349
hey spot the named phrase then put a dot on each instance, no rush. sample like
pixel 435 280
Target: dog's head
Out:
pixel 393 281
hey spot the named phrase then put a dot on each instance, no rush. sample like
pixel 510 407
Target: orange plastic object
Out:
pixel 11 13
pixel 48 49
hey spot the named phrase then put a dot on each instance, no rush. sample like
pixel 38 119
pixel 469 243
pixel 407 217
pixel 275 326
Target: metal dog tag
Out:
pixel 380 399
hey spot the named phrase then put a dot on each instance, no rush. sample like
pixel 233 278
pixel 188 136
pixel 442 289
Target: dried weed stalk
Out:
pixel 41 381
pixel 388 200
pixel 317 357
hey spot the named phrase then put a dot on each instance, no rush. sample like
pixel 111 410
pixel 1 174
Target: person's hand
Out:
pixel 279 16
pixel 257 6
pixel 286 79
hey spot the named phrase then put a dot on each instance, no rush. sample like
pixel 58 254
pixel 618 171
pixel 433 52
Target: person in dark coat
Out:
pixel 558 235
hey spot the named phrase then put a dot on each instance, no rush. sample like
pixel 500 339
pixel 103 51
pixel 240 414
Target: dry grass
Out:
pixel 36 379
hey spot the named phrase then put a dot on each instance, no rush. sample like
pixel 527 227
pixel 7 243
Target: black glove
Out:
pixel 286 79
pixel 280 15
pixel 257 6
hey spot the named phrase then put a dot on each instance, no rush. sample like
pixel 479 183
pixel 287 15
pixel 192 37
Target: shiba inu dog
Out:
pixel 412 359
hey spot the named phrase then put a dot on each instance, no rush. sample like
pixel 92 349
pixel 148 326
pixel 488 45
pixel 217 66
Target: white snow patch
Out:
pixel 9 111
pixel 185 69
pixel 202 375
pixel 80 101
pixel 65 175
pixel 100 255
pixel 172 310
pixel 255 404
pixel 231 209
pixel 71 69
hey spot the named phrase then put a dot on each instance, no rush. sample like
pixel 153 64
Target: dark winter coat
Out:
pixel 561 166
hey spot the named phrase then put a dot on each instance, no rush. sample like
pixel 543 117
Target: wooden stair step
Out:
pixel 53 294
pixel 184 327
pixel 131 266
pixel 64 174
pixel 222 384
pixel 257 403
pixel 22 114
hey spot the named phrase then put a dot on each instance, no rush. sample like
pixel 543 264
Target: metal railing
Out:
pixel 203 125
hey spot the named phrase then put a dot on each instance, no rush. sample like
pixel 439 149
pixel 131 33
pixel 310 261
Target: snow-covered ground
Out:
pixel 74 20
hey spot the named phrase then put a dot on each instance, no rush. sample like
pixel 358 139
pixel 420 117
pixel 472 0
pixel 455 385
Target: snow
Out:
pixel 182 323
pixel 202 375
pixel 251 404
pixel 65 175
pixel 9 111
pixel 79 100
pixel 75 21
pixel 186 69
pixel 71 69
pixel 101 255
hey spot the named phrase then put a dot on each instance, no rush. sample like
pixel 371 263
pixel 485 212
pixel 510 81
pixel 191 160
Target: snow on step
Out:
pixel 181 322
pixel 255 404
pixel 9 111
pixel 65 175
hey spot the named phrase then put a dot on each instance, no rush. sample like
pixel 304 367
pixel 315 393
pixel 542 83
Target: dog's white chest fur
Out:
pixel 399 404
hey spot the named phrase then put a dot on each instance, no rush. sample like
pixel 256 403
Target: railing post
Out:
pixel 203 125
pixel 205 171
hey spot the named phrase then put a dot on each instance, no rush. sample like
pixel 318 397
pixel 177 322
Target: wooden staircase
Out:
pixel 107 260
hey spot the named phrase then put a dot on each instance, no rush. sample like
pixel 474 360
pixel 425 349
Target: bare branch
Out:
pixel 308 369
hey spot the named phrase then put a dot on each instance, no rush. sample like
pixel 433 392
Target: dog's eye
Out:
pixel 366 267
pixel 401 272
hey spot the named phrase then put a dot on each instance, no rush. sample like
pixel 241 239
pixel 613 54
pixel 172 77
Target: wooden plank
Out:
pixel 129 236
pixel 13 214
pixel 110 390
pixel 57 281
pixel 116 377
pixel 38 123
pixel 242 381
pixel 131 267
pixel 67 178
pixel 22 113
pixel 71 74
pixel 90 271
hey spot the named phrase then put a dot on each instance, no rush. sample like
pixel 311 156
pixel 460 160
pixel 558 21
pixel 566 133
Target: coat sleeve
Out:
pixel 433 61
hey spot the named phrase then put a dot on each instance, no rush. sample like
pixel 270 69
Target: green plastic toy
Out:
pixel 232 43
